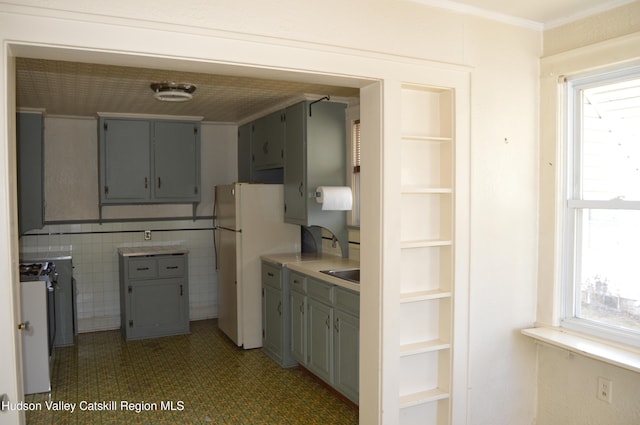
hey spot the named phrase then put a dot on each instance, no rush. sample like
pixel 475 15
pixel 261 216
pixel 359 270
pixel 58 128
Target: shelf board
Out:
pixel 422 397
pixel 423 347
pixel 411 190
pixel 430 139
pixel 424 243
pixel 410 297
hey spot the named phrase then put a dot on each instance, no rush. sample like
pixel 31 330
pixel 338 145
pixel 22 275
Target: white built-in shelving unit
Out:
pixel 427 255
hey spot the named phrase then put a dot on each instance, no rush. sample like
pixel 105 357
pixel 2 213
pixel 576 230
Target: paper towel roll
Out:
pixel 336 198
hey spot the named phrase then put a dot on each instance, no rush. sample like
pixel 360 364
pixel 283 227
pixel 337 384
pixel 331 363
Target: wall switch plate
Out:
pixel 147 235
pixel 605 389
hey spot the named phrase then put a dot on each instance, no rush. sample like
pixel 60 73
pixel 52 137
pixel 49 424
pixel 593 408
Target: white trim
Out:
pixel 616 355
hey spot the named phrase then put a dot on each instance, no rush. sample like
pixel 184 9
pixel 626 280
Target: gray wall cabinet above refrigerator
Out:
pixel 149 161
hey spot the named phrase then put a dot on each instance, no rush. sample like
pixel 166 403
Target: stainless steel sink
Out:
pixel 351 275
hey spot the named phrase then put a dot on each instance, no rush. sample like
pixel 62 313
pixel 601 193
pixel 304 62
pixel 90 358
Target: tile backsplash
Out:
pixel 94 249
pixel 95 259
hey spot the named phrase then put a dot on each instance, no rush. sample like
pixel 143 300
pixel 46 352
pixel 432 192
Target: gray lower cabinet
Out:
pixel 276 334
pixel 65 304
pixel 346 343
pixel 154 295
pixel 319 327
pixel 298 302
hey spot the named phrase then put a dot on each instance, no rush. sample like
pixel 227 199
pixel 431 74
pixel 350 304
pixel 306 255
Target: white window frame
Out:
pixel 573 205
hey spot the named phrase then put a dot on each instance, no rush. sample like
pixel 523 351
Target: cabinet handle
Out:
pixel 326 322
pixel 146 182
pixel 300 189
pixel 302 308
pixel 172 267
pixel 280 308
pixel 269 274
pixel 159 183
pixel 140 269
pixel 180 290
pixel 22 326
pixel 337 325
pixel 265 147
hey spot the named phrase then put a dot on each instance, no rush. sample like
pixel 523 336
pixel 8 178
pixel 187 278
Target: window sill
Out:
pixel 624 357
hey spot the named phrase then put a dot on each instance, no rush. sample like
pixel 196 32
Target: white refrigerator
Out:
pixel 249 223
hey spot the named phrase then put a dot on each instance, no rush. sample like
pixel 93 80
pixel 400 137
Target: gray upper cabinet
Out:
pixel 268 141
pixel 315 156
pixel 149 161
pixel 30 149
pixel 125 166
pixel 177 161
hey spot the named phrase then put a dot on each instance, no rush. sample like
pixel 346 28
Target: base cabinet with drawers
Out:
pixel 154 295
pixel 315 324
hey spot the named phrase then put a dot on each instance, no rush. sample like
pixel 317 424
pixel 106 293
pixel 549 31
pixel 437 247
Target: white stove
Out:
pixel 37 288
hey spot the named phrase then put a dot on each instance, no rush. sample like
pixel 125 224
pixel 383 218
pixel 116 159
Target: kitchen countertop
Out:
pixel 311 264
pixel 141 251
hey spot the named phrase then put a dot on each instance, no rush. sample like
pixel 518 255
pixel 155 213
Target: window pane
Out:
pixel 608 268
pixel 611 141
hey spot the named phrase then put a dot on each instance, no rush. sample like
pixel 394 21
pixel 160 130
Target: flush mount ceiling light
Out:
pixel 168 91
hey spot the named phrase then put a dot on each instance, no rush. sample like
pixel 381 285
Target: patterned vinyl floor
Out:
pixel 201 378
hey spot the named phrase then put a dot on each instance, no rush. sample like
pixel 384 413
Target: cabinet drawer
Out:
pixel 172 266
pixel 298 282
pixel 142 268
pixel 320 291
pixel 348 300
pixel 271 276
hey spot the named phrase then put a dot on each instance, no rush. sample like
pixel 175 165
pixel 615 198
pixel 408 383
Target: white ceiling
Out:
pixel 540 13
pixel 83 89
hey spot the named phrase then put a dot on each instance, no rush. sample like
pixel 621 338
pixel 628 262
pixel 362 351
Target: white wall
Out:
pixel 502 275
pixel 567 385
pixel 567 382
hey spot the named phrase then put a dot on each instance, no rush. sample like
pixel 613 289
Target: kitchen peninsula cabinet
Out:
pixel 149 161
pixel 154 292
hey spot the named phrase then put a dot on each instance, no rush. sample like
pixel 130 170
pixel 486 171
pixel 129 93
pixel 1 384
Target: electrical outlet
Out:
pixel 605 389
pixel 147 235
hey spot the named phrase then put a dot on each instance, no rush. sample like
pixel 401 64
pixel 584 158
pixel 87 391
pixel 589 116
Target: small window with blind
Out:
pixel 356 146
pixel 354 217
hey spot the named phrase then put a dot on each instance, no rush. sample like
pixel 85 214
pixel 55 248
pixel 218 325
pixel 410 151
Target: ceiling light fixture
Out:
pixel 168 91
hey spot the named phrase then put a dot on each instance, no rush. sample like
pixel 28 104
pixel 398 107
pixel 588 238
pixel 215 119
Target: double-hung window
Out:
pixel 601 243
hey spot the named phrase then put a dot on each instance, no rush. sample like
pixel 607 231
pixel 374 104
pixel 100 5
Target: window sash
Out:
pixel 575 207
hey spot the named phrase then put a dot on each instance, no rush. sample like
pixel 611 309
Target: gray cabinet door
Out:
pixel 29 136
pixel 295 170
pixel 272 321
pixel 268 142
pixel 244 153
pixel 346 352
pixel 157 308
pixel 298 326
pixel 125 160
pixel 320 342
pixel 177 161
